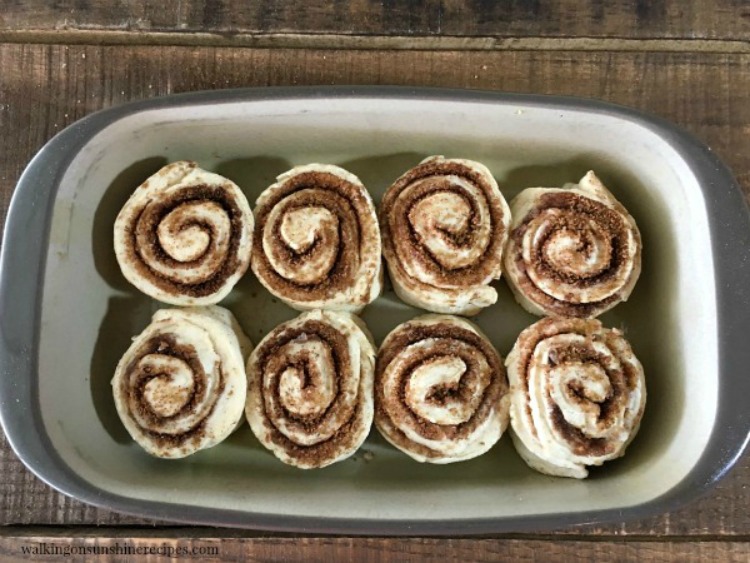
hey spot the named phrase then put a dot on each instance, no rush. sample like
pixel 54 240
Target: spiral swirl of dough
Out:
pixel 578 394
pixel 310 388
pixel 317 245
pixel 444 226
pixel 572 252
pixel 441 394
pixel 181 385
pixel 184 236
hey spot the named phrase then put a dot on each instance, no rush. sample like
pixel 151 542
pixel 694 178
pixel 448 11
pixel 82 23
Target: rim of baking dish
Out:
pixel 22 267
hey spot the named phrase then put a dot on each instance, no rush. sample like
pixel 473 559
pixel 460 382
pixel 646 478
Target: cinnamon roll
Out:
pixel 184 236
pixel 572 252
pixel 310 388
pixel 181 385
pixel 441 394
pixel 317 244
pixel 578 394
pixel 444 226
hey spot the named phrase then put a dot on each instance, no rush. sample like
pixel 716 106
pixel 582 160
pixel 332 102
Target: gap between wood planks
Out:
pixel 197 533
pixel 370 42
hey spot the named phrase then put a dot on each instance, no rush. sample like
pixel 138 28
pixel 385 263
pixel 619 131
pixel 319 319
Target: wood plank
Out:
pixel 43 548
pixel 676 19
pixel 46 87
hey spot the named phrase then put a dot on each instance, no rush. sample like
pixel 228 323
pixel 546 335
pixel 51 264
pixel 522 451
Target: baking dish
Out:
pixel 67 314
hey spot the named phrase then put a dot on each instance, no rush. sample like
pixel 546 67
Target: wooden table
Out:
pixel 686 60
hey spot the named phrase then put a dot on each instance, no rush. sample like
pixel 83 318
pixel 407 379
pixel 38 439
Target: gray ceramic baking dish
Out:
pixel 67 314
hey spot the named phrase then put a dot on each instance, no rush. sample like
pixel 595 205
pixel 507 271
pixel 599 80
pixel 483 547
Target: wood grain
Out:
pixel 45 87
pixel 361 549
pixel 639 19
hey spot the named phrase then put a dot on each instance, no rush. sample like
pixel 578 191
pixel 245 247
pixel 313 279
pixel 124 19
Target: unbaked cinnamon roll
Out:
pixel 444 225
pixel 573 251
pixel 317 243
pixel 441 394
pixel 181 385
pixel 184 236
pixel 578 394
pixel 310 388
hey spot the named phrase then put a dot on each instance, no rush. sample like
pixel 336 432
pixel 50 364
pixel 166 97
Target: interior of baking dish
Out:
pixel 90 313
